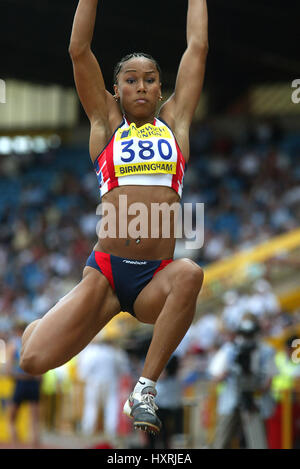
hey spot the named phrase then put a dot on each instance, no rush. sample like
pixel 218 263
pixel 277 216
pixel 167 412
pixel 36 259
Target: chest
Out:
pixel 147 149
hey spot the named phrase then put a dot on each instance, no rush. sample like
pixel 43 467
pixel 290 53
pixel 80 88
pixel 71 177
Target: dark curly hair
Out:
pixel 127 57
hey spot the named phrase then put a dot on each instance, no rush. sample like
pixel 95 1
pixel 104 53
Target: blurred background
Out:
pixel 237 368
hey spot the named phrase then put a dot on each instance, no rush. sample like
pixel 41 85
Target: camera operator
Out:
pixel 243 368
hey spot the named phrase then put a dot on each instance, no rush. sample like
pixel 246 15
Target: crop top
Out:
pixel 144 156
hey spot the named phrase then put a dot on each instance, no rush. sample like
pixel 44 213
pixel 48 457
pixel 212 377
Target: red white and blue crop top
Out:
pixel 144 156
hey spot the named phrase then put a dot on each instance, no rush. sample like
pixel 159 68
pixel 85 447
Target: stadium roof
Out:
pixel 251 41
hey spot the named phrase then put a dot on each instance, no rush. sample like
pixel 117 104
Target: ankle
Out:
pixel 143 383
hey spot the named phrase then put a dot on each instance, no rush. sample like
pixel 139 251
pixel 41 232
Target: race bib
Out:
pixel 146 150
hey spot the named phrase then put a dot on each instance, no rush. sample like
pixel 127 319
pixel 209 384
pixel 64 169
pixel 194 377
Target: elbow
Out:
pixel 27 364
pixel 199 48
pixel 77 50
pixel 205 47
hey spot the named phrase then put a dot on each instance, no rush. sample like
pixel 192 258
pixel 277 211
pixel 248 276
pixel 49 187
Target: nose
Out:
pixel 141 86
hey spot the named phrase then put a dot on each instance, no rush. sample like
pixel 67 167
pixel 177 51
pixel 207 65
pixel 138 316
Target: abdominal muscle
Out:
pixel 139 245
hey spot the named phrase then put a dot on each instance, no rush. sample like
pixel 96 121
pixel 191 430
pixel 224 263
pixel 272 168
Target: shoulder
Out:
pixel 101 136
pixel 167 115
pixel 177 124
pixel 180 131
pixel 173 117
pixel 115 115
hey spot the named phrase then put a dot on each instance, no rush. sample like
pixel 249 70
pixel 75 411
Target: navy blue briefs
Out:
pixel 127 277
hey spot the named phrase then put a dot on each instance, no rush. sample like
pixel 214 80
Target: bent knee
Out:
pixel 32 364
pixel 190 277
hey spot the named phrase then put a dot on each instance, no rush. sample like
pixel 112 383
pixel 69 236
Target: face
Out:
pixel 139 87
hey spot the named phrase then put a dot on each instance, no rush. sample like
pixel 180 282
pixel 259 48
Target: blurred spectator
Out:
pixel 260 301
pixel 205 332
pixel 263 301
pixel 26 388
pixel 245 367
pixel 288 373
pixel 101 365
pixel 170 406
pixel 233 310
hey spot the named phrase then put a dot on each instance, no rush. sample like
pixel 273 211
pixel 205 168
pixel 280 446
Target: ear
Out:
pixel 160 92
pixel 116 90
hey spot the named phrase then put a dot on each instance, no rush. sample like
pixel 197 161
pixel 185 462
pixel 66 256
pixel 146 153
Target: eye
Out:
pixel 150 80
pixel 130 80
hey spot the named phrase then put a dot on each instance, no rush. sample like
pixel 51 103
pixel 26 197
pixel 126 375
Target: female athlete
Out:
pixel 139 157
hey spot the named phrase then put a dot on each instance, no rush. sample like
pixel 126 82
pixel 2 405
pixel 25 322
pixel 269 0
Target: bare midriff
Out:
pixel 152 243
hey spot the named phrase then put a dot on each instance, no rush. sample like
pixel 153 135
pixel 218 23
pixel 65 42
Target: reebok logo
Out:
pixel 135 262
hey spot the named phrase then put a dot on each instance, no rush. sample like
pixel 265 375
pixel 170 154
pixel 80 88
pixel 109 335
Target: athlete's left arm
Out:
pixel 181 106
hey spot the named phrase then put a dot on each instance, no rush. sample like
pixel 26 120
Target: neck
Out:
pixel 140 122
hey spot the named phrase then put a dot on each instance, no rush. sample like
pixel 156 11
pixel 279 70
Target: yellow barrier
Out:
pixel 237 270
pixel 23 418
pixel 260 253
pixel 286 429
pixel 291 300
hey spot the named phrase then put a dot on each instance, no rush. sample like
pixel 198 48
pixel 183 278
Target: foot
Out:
pixel 141 407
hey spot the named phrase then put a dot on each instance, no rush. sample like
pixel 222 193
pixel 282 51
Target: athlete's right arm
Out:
pixel 98 103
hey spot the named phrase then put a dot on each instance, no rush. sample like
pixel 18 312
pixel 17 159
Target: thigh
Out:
pixel 152 298
pixel 73 322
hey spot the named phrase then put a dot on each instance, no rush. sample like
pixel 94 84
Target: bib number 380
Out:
pixel 146 150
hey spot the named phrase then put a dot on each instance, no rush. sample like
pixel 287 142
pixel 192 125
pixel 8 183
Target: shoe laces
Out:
pixel 148 399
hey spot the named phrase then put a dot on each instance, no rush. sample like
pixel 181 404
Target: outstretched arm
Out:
pixel 98 103
pixel 88 77
pixel 180 108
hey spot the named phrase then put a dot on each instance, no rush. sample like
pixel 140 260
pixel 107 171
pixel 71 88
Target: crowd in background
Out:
pixel 250 185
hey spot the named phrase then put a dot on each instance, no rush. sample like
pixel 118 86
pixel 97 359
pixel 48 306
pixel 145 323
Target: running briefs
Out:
pixel 127 277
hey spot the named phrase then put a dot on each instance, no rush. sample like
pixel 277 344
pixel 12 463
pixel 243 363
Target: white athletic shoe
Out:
pixel 141 407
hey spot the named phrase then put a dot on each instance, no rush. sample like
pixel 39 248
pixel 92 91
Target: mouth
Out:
pixel 141 101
